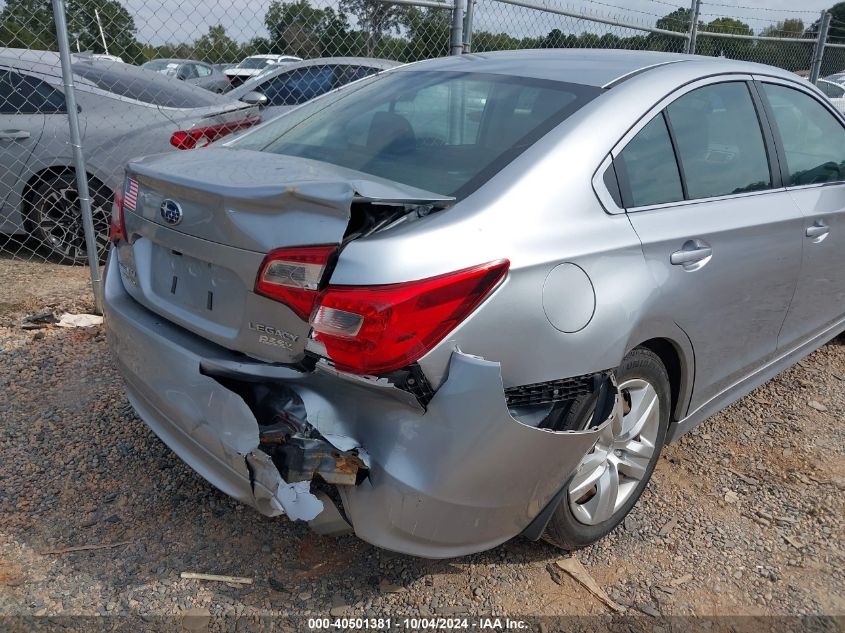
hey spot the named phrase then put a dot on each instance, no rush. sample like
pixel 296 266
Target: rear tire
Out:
pixel 54 217
pixel 611 478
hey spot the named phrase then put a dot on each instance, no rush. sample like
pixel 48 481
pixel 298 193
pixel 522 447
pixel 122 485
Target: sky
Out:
pixel 180 20
pixel 160 21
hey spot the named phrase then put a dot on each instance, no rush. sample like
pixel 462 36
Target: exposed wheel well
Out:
pixel 671 359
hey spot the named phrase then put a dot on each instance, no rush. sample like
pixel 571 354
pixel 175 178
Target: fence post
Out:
pixel 818 50
pixel 468 26
pixel 76 146
pixel 456 46
pixel 693 26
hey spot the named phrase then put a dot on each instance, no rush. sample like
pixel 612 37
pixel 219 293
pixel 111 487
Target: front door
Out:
pixel 812 140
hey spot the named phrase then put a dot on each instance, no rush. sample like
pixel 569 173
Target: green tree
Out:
pixel 29 23
pixel 118 28
pixel 216 47
pixel 727 47
pixel 295 27
pixel 679 21
pixel 429 33
pixel 375 18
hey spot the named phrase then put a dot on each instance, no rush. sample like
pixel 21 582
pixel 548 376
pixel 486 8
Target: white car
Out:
pixel 256 65
pixel 835 92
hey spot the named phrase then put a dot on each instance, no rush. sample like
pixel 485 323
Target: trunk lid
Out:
pixel 197 266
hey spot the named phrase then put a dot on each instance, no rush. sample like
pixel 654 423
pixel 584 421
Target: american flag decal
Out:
pixel 130 195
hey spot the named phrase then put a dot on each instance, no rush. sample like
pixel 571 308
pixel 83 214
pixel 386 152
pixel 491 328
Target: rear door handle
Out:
pixel 693 255
pixel 14 135
pixel 818 230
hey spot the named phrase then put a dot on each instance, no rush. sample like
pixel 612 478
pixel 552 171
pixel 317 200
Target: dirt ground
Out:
pixel 744 516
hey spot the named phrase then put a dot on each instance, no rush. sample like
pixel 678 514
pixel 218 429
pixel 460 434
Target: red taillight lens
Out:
pixel 378 329
pixel 117 227
pixel 293 276
pixel 202 136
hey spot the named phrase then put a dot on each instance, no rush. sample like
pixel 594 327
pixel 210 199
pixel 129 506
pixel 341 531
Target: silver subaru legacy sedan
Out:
pixel 471 298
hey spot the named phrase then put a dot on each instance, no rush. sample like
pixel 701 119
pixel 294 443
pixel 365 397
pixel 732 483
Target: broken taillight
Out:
pixel 378 329
pixel 293 275
pixel 117 226
pixel 202 136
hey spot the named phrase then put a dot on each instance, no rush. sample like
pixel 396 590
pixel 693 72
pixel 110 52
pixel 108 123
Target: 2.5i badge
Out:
pixel 269 335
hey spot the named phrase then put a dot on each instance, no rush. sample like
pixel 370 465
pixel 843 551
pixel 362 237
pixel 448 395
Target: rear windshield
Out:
pixel 157 64
pixel 147 87
pixel 445 132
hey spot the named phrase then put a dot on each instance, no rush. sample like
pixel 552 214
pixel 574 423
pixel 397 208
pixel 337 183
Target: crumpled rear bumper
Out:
pixel 460 476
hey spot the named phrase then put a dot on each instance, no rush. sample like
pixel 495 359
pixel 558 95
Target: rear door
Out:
pixel 721 236
pixel 25 105
pixel 811 139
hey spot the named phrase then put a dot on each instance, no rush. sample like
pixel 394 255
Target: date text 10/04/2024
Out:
pixel 381 624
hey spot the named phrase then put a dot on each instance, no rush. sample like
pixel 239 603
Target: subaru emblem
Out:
pixel 171 212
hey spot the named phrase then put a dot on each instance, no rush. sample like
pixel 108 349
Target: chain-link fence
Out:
pixel 151 76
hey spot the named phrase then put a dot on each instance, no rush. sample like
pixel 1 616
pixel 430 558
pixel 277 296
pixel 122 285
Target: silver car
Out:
pixel 191 71
pixel 124 112
pixel 471 298
pixel 290 85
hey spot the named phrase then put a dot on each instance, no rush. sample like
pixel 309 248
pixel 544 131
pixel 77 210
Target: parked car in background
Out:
pixel 191 71
pixel 284 87
pixel 255 65
pixel 476 295
pixel 124 112
pixel 222 67
pixel 837 78
pixel 833 91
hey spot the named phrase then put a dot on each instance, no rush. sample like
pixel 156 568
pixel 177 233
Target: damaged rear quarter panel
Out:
pixel 461 477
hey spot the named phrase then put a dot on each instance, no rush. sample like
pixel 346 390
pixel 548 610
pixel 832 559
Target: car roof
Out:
pixel 372 62
pixel 177 60
pixel 272 56
pixel 592 67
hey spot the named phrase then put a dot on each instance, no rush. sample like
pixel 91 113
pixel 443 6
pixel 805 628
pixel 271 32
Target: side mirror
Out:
pixel 254 97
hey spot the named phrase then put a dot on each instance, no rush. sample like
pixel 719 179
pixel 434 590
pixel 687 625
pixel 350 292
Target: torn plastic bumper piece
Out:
pixel 460 476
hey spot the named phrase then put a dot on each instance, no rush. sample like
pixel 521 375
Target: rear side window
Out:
pixel 648 167
pixel 719 140
pixel 813 139
pixel 127 81
pixel 21 94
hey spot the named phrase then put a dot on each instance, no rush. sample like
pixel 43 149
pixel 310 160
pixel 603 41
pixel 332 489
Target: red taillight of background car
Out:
pixel 378 329
pixel 202 136
pixel 117 227
pixel 293 276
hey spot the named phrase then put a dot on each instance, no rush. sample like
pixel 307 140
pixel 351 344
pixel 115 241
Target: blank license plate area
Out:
pixel 203 288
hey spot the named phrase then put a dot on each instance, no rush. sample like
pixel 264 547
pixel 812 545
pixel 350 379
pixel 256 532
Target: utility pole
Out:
pixel 693 26
pixel 818 50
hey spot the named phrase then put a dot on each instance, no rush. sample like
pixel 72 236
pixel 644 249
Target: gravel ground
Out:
pixel 743 516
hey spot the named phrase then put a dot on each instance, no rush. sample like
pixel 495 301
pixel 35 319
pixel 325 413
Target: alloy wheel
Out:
pixel 610 473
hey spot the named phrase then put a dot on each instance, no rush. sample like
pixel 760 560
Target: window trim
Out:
pixel 659 108
pixel 810 91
